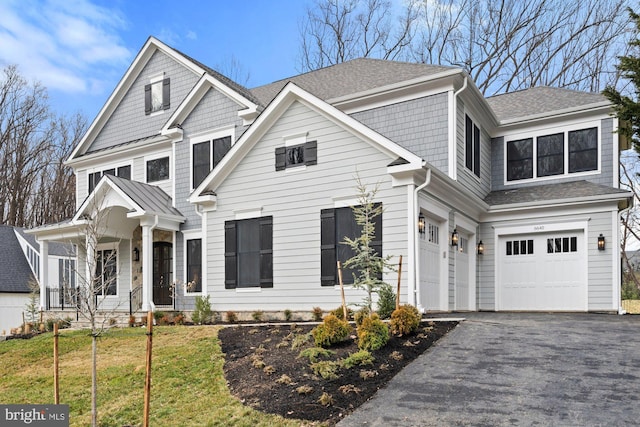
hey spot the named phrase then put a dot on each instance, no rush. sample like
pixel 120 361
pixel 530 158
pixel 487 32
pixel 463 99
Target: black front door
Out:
pixel 162 273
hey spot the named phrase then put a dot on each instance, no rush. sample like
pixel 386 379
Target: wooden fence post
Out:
pixel 56 378
pixel 344 303
pixel 147 381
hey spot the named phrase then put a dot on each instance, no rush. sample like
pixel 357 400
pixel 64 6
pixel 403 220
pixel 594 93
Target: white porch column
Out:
pixel 86 295
pixel 147 263
pixel 43 266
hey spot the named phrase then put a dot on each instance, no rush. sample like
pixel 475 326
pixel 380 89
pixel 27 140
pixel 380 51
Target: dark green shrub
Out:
pixel 331 331
pixel 359 358
pixel 202 314
pixel 360 315
pixel 158 315
pixel 317 314
pixel 629 289
pixel 405 320
pixel 373 334
pixel 386 301
pixel 315 353
pixel 288 315
pixel 326 369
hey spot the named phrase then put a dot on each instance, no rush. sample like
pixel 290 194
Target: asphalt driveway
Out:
pixel 517 369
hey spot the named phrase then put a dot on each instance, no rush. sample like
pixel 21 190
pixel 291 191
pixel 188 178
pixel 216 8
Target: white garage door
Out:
pixel 542 272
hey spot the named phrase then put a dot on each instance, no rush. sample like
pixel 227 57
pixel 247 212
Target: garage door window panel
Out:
pixel 519 247
pixel 562 245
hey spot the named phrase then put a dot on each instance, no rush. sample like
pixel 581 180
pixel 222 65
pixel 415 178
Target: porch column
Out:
pixel 86 295
pixel 147 263
pixel 43 266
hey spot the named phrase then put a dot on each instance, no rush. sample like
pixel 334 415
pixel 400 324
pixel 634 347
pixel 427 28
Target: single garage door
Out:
pixel 542 272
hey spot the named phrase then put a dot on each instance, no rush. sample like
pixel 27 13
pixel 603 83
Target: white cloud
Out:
pixel 69 46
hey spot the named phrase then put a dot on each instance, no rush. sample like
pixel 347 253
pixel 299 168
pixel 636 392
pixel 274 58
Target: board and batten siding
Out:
pixel 419 125
pixel 600 264
pixel 294 198
pixel 129 121
pixel 608 164
pixel 479 186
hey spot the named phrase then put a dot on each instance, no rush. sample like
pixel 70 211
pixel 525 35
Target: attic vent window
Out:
pixel 296 155
pixel 157 96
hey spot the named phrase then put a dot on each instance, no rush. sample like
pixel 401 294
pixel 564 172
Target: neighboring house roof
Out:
pixel 54 248
pixel 357 75
pixel 540 100
pixel 15 272
pixel 553 192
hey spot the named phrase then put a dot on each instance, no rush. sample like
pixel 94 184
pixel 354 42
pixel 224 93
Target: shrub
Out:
pixel 232 317
pixel 178 318
pixel 304 389
pixel 317 314
pixel 314 353
pixel 349 388
pixel 257 315
pixel 359 358
pixel 288 314
pixel 326 399
pixel 331 331
pixel 132 320
pixel 373 334
pixel 405 320
pixel 326 369
pixel 157 315
pixel 360 315
pixel 386 301
pixel 202 314
pixel 339 313
pixel 300 340
pixel 284 379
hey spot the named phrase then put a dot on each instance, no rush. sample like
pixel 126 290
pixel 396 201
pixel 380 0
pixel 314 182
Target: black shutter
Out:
pixel 327 247
pixel 230 256
pixel 166 98
pixel 476 150
pixel 281 154
pixel 266 252
pixel 468 142
pixel 147 99
pixel 311 153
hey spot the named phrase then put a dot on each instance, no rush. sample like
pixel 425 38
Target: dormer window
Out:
pixel 157 95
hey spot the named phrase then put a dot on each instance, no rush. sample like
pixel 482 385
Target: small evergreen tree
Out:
pixel 367 264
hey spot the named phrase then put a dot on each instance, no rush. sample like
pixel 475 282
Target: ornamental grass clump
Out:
pixel 405 320
pixel 373 333
pixel 331 331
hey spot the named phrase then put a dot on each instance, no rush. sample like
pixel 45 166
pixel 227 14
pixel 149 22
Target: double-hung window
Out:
pixel 106 279
pixel 158 169
pixel 335 225
pixel 552 154
pixel 472 146
pixel 248 252
pixel 157 95
pixel 194 265
pixel 121 171
pixel 206 155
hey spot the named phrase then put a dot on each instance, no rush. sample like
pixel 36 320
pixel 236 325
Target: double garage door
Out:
pixel 542 272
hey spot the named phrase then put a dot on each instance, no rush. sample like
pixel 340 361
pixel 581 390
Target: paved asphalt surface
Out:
pixel 512 369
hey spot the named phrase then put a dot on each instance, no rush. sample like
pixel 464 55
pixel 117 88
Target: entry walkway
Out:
pixel 512 369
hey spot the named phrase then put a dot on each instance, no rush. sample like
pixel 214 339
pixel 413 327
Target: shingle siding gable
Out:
pixel 129 122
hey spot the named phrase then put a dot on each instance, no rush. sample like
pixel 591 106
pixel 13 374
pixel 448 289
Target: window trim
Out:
pixel 193 235
pixel 204 137
pixel 158 156
pixel 110 247
pixel 551 130
pixel 476 147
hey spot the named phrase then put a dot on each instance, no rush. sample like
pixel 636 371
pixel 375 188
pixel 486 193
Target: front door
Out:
pixel 162 273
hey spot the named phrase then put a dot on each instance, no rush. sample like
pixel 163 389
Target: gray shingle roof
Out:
pixel 149 197
pixel 15 272
pixel 350 77
pixel 54 248
pixel 539 100
pixel 548 192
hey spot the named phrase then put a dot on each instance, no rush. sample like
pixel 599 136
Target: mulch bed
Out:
pixel 260 388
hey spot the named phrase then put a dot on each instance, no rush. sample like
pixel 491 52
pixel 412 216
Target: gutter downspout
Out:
pixel 414 290
pixel 621 310
pixel 453 110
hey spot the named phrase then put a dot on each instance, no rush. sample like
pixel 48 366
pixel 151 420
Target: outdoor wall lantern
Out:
pixel 601 242
pixel 480 248
pixel 421 224
pixel 454 238
pixel 136 254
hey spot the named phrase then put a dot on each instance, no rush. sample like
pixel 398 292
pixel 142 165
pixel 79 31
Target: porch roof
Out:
pixel 149 198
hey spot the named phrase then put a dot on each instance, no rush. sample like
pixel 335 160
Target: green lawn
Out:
pixel 188 385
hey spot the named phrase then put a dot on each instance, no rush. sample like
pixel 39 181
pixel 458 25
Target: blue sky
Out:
pixel 79 49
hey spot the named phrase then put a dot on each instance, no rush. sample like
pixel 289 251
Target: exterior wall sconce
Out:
pixel 454 238
pixel 601 242
pixel 136 254
pixel 421 224
pixel 480 248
